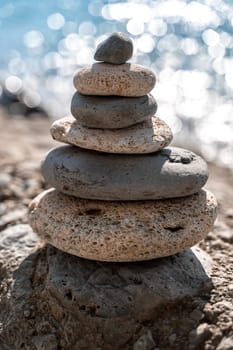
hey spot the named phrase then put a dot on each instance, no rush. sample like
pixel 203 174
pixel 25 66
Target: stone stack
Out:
pixel 120 195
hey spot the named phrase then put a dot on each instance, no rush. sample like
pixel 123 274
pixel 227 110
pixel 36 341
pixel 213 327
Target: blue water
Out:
pixel 188 44
pixel 20 16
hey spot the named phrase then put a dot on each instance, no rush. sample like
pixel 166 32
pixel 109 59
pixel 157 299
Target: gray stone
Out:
pixel 109 302
pixel 45 342
pixel 149 136
pixel 112 112
pixel 5 179
pixel 116 49
pixel 12 217
pixel 199 335
pixel 226 343
pixel 104 79
pixel 171 172
pixel 122 231
pixel 16 242
pixel 145 342
pixel 111 290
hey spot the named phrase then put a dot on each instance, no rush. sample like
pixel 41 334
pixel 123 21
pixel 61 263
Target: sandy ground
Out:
pixel 24 142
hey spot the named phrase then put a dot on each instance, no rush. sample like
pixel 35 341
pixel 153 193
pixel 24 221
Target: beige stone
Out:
pixel 120 80
pixel 146 137
pixel 122 231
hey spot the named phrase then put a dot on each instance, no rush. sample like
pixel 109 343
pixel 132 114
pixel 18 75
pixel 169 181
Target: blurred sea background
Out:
pixel 188 44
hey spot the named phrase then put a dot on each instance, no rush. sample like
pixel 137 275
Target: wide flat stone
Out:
pixel 122 231
pixel 171 172
pixel 116 49
pixel 120 80
pixel 146 137
pixel 112 112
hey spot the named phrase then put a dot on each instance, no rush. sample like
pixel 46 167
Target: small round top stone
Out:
pixel 116 49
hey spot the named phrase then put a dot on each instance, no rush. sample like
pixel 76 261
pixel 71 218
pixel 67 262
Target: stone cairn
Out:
pixel 119 195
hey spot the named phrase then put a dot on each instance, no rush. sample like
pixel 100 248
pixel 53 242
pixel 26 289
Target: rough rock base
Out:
pixel 59 301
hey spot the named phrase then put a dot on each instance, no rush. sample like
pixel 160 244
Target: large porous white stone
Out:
pixel 171 172
pixel 122 231
pixel 112 112
pixel 146 137
pixel 119 80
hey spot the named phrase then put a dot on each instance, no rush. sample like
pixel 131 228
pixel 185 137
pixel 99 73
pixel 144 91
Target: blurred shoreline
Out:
pixel 188 44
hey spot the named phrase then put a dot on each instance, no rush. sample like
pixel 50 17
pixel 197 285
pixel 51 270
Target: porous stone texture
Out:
pixel 146 137
pixel 116 49
pixel 112 112
pixel 122 231
pixel 171 172
pixel 197 315
pixel 119 80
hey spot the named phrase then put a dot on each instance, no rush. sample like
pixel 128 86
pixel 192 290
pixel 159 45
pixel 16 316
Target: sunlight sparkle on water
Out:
pixel 146 43
pixel 157 27
pixel 87 28
pixel 135 27
pixel 95 7
pixel 55 21
pixel 188 44
pixel 13 84
pixel 33 39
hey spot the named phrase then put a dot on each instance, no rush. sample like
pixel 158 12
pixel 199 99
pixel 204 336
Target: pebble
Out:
pixel 107 79
pixel 112 112
pixel 196 315
pixel 122 231
pixel 104 176
pixel 17 242
pixel 172 338
pixel 47 341
pixel 12 216
pixel 145 342
pixel 146 137
pixel 199 335
pixel 230 287
pixel 116 49
pixel 226 343
pixel 5 180
pixel 229 213
pixel 226 234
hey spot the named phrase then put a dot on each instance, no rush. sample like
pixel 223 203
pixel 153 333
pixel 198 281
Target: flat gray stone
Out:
pixel 146 137
pixel 122 231
pixel 169 173
pixel 116 49
pixel 112 112
pixel 104 79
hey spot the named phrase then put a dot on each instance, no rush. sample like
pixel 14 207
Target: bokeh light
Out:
pixel 33 39
pixel 188 44
pixel 55 21
pixel 13 84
